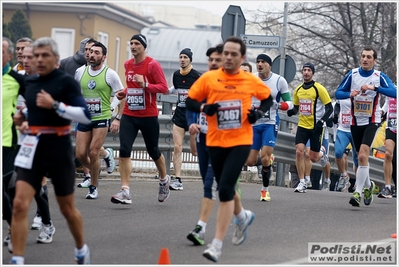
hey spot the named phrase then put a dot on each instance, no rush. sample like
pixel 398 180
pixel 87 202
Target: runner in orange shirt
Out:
pixel 228 92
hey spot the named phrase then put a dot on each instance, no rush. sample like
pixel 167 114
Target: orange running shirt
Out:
pixel 229 126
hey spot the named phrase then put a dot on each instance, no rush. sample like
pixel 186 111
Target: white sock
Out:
pixel 218 243
pixel 361 176
pixel 126 188
pixel 202 224
pixel 367 182
pixel 241 216
pixel 302 181
pixel 19 260
pixel 165 179
pixel 307 178
pixel 265 188
pixel 82 250
pixel 388 185
pixel 326 180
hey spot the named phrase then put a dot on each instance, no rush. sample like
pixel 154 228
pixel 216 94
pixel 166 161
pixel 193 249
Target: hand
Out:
pixel 194 128
pixel 115 125
pixel 290 112
pixel 335 119
pixel 330 122
pixel 120 94
pixel 210 109
pixel 44 100
pixel 253 116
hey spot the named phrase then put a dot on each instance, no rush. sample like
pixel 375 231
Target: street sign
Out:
pixel 233 22
pixel 261 41
pixel 290 68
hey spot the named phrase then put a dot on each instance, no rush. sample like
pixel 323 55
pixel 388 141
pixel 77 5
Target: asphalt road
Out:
pixel 135 234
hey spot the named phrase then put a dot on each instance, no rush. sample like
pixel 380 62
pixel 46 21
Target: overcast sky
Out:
pixel 220 7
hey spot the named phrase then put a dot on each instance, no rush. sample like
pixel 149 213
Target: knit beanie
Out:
pixel 187 51
pixel 310 66
pixel 141 38
pixel 264 57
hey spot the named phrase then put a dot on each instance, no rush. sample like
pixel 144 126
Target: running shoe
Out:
pixel 197 236
pixel 264 195
pixel 326 185
pixel 308 183
pixel 46 234
pixel 241 231
pixel 163 191
pixel 355 199
pixel 121 197
pixel 110 161
pixel 346 186
pixel 385 193
pixel 212 253
pixel 93 193
pixel 368 194
pixel 301 188
pixel 37 222
pixel 341 182
pixel 176 185
pixel 83 259
pixel 86 183
pixel 324 157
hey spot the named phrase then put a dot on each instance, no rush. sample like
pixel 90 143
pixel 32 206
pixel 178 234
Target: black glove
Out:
pixel 290 112
pixel 254 115
pixel 335 119
pixel 210 109
pixel 330 122
pixel 318 127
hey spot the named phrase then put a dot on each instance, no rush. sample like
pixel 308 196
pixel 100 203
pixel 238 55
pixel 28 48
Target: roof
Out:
pixel 165 43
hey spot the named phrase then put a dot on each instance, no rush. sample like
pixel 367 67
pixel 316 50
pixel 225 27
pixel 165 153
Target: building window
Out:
pixel 103 38
pixel 128 52
pixel 65 39
pixel 117 53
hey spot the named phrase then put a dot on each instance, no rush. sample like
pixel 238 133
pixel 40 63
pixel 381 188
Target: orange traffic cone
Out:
pixel 164 256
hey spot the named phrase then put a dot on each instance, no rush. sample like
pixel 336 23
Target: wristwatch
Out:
pixel 375 87
pixel 118 117
pixel 55 105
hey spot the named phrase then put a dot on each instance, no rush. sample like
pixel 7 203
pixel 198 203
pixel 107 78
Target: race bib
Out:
pixel 346 118
pixel 229 115
pixel 135 98
pixel 26 152
pixel 94 106
pixel 181 97
pixel 305 107
pixel 203 123
pixel 363 106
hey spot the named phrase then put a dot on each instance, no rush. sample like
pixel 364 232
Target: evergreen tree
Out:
pixel 6 33
pixel 19 26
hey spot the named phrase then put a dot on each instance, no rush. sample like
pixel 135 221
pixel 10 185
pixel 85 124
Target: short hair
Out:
pixel 369 48
pixel 25 39
pixel 10 45
pixel 248 65
pixel 91 40
pixel 46 41
pixel 237 40
pixel 99 44
pixel 218 49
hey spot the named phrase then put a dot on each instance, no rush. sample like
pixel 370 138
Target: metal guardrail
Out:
pixel 284 150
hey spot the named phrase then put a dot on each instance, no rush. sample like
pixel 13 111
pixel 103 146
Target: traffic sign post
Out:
pixel 233 22
pixel 289 70
pixel 261 41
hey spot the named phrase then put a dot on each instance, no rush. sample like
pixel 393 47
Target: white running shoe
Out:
pixel 324 157
pixel 37 223
pixel 163 191
pixel 110 161
pixel 86 182
pixel 212 253
pixel 326 185
pixel 121 197
pixel 241 231
pixel 46 234
pixel 176 185
pixel 301 188
pixel 93 193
